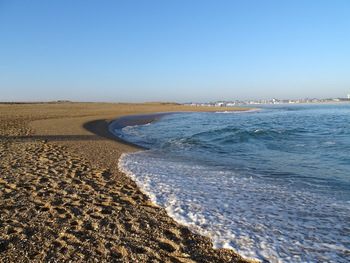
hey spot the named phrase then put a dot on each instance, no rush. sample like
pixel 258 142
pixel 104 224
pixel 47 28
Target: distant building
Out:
pixel 348 96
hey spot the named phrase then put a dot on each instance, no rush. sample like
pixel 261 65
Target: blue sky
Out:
pixel 135 51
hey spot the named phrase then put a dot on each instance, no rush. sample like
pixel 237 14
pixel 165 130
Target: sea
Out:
pixel 272 183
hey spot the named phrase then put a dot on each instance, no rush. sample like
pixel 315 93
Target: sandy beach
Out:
pixel 63 198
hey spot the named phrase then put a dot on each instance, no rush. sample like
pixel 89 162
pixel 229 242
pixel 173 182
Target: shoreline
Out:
pixel 138 119
pixel 63 197
pixel 133 120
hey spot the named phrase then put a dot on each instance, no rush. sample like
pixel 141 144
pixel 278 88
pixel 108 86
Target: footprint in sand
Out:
pixel 63 213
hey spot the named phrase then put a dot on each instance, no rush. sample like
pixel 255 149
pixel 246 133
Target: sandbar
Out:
pixel 62 197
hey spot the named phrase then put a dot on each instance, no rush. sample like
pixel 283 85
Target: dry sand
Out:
pixel 62 198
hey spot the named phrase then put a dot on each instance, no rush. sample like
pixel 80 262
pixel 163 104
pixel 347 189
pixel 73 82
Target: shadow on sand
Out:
pixel 98 128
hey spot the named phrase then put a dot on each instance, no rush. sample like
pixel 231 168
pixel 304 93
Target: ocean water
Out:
pixel 273 184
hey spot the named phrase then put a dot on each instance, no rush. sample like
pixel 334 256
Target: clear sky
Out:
pixel 179 50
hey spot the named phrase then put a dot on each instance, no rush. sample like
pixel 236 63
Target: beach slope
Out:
pixel 63 198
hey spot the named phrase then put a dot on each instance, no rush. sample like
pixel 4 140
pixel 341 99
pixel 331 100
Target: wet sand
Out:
pixel 63 199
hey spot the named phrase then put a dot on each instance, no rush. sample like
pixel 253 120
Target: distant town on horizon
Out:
pixel 231 103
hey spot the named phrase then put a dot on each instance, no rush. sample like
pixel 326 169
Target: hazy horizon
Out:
pixel 137 51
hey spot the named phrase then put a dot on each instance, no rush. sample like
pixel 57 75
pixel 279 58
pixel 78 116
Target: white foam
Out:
pixel 239 112
pixel 257 219
pixel 329 143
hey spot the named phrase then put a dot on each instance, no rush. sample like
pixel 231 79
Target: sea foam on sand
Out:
pixel 256 219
